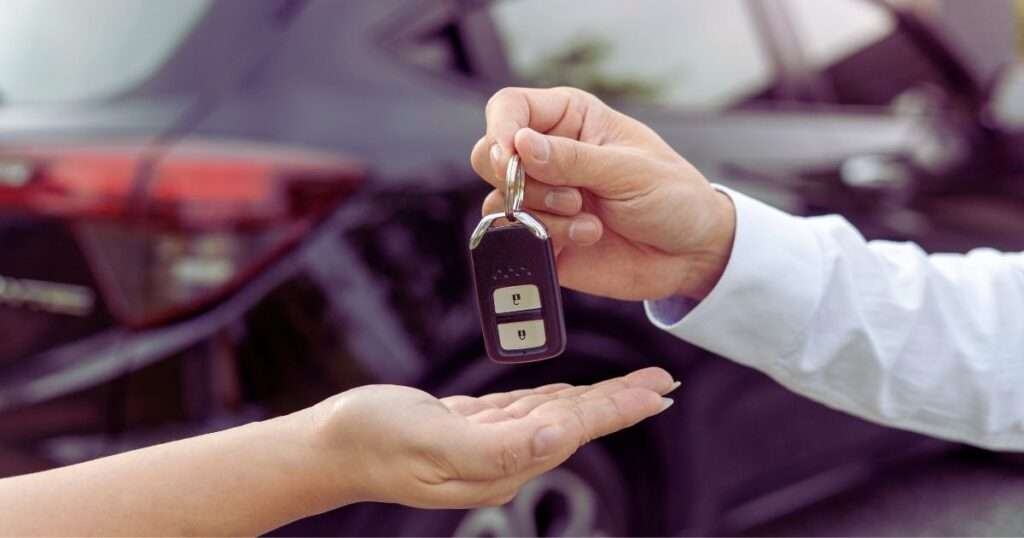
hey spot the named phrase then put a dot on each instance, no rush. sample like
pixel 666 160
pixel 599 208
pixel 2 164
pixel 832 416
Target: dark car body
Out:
pixel 377 289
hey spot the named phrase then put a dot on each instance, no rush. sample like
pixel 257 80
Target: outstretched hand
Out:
pixel 399 444
pixel 374 443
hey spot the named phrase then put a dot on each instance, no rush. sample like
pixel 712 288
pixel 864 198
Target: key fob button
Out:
pixel 521 335
pixel 516 299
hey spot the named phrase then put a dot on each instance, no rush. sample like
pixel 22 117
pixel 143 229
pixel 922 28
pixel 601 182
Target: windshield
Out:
pixel 64 51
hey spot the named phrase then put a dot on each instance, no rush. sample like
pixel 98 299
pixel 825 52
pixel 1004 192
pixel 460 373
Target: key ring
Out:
pixel 535 226
pixel 515 191
pixel 515 188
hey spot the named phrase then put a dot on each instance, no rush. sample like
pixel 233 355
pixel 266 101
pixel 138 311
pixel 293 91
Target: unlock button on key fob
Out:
pixel 521 335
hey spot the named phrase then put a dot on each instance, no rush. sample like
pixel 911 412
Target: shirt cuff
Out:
pixel 760 308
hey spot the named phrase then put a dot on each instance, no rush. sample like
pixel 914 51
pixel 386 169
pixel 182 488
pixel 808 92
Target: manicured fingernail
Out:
pixel 583 231
pixel 666 403
pixel 495 153
pixel 547 440
pixel 563 200
pixel 674 386
pixel 539 146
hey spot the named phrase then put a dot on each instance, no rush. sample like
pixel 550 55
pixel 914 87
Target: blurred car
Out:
pixel 218 211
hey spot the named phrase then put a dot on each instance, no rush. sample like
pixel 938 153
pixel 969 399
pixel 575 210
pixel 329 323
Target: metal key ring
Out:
pixel 515 188
pixel 535 226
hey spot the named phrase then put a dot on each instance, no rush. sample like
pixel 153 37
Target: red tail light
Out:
pixel 168 231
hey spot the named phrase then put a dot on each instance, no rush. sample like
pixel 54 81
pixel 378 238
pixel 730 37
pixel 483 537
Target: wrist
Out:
pixel 319 474
pixel 706 265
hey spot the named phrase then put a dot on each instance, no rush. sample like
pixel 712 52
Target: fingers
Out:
pixel 581 229
pixel 525 447
pixel 503 459
pixel 563 201
pixel 502 399
pixel 607 171
pixel 538 196
pixel 551 430
pixel 586 419
pixel 466 405
pixel 654 379
pixel 569 153
pixel 519 403
pixel 554 162
pixel 559 111
pixel 469 405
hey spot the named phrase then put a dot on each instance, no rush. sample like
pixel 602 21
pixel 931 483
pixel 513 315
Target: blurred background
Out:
pixel 216 211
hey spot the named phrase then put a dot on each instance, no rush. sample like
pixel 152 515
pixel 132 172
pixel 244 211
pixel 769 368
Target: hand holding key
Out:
pixel 628 216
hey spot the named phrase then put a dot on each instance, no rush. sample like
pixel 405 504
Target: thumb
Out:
pixel 605 171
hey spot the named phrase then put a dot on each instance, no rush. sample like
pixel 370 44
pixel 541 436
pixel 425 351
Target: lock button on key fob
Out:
pixel 518 296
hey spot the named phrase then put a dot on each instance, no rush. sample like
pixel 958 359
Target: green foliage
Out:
pixel 581 64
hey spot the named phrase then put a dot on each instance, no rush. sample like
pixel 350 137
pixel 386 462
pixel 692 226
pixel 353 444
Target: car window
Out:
pixel 846 43
pixel 700 55
pixel 830 30
pixel 75 50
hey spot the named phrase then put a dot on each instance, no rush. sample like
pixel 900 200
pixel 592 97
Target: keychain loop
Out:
pixel 535 226
pixel 515 188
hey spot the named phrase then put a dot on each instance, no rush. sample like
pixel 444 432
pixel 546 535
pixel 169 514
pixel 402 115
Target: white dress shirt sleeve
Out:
pixel 933 344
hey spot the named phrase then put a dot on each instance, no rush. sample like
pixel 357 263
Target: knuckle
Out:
pixel 583 101
pixel 571 92
pixel 503 94
pixel 579 101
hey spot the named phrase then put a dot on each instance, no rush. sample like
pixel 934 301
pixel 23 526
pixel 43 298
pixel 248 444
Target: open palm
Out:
pixel 464 451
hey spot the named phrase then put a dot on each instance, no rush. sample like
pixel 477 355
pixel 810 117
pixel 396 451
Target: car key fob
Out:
pixel 517 291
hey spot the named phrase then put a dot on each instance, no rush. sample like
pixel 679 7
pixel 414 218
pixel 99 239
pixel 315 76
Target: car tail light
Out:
pixel 169 231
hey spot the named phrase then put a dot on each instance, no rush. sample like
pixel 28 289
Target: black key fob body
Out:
pixel 517 291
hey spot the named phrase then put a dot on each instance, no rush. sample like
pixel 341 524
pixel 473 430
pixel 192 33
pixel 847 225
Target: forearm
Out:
pixel 928 343
pixel 242 481
pixel 881 330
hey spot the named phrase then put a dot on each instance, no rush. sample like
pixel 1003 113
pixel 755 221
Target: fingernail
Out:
pixel 563 200
pixel 539 147
pixel 495 153
pixel 547 440
pixel 674 386
pixel 666 403
pixel 583 231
